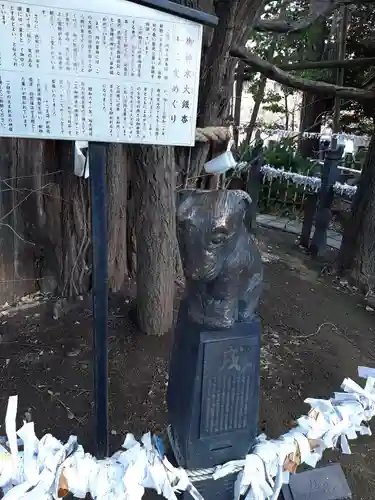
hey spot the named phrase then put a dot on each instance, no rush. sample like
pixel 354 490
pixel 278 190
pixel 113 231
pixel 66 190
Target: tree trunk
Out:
pixel 357 250
pixel 64 224
pixel 314 106
pixel 153 183
pixel 117 184
pixel 255 111
pixel 286 111
pixel 259 95
pixel 49 222
pixel 312 111
pixel 238 101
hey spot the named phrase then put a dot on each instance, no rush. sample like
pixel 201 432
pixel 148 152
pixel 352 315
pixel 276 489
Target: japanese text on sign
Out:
pixel 106 71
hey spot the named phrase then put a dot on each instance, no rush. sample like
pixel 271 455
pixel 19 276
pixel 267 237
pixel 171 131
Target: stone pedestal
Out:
pixel 213 392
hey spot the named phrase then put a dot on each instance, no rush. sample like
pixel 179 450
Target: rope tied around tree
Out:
pixel 213 134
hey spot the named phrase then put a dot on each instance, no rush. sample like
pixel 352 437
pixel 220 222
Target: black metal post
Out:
pixel 330 174
pixel 99 233
pixel 254 181
pixel 309 210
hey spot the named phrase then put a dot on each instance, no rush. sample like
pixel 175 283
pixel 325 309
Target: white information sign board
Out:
pixel 98 70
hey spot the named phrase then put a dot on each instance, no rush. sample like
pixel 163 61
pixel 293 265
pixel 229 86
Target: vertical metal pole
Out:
pixel 99 233
pixel 330 174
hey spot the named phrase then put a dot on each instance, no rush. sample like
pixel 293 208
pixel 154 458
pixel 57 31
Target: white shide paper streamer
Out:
pixel 35 473
pixel 325 135
pixel 270 173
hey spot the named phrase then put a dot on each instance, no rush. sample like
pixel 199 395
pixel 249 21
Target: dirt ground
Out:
pixel 48 363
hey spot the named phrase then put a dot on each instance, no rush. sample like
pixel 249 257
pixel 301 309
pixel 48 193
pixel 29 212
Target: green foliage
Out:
pixel 245 151
pixel 274 107
pixel 317 43
pixel 284 155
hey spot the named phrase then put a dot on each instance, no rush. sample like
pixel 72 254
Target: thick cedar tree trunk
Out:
pixel 238 101
pixel 117 183
pixel 153 182
pixel 19 196
pixel 49 212
pixel 68 222
pixel 357 250
pixel 312 110
pixel 314 106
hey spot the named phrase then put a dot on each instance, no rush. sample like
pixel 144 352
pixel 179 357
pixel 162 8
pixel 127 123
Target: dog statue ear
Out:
pixel 248 208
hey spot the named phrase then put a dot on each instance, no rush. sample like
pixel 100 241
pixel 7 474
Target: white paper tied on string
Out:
pixel 31 468
pixel 106 481
pixel 81 161
pixel 268 451
pixel 145 468
pixel 10 427
pixel 252 481
pixel 366 372
pixel 77 470
pixel 314 183
pixel 179 480
pixel 135 464
pixel 12 474
pixel 301 441
pixel 330 424
pixel 6 467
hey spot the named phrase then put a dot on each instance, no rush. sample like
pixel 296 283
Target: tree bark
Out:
pixel 357 250
pixel 238 101
pixel 312 111
pixel 259 95
pixel 336 63
pixel 153 183
pixel 50 217
pixel 255 111
pixel 286 111
pixel 117 185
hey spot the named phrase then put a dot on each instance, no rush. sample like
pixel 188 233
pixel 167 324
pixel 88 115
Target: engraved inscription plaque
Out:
pixel 228 377
pixel 213 391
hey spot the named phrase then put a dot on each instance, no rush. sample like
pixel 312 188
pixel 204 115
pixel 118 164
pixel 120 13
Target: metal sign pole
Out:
pixel 99 236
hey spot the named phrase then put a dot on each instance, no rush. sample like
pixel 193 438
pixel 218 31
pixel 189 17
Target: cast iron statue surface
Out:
pixel 222 265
